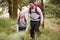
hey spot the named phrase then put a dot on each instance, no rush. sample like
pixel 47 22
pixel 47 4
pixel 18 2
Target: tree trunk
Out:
pixel 10 8
pixel 43 11
pixel 15 7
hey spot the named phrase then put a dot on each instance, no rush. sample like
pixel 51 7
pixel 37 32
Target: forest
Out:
pixel 8 18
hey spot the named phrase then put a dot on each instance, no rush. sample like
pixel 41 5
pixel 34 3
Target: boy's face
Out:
pixel 22 14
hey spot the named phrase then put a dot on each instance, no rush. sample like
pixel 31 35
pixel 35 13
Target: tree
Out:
pixel 10 7
pixel 22 3
pixel 43 11
pixel 15 7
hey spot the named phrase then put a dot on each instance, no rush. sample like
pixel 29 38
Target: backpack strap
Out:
pixel 25 18
pixel 30 10
pixel 18 19
pixel 36 10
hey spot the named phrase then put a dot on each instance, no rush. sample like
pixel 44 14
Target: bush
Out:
pixel 55 2
pixel 7 25
pixel 51 9
pixel 1 12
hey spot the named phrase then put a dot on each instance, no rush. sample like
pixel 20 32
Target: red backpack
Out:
pixel 38 4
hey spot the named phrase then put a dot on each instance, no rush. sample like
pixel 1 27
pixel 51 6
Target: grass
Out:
pixel 53 19
pixel 7 25
pixel 8 31
pixel 47 34
pixel 17 36
pixel 1 12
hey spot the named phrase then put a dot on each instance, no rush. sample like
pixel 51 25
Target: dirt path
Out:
pixel 53 25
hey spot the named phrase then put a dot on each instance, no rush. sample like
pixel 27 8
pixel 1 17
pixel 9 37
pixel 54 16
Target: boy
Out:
pixel 22 23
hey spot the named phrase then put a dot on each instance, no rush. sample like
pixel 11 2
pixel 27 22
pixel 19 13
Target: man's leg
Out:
pixel 32 29
pixel 37 25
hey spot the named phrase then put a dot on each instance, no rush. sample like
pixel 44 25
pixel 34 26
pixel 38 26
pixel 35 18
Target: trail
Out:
pixel 53 25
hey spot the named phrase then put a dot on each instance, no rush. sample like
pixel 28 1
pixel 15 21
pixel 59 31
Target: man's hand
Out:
pixel 42 24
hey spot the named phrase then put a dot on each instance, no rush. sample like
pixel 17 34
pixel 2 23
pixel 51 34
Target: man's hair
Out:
pixel 32 1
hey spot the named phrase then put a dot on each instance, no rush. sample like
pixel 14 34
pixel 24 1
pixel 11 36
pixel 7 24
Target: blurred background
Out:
pixel 8 17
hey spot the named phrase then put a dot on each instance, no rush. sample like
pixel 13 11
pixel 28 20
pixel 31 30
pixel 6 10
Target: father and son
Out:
pixel 36 18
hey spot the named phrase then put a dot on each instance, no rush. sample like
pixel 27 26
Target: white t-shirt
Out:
pixel 34 15
pixel 22 22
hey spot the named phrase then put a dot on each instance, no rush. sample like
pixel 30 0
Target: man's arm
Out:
pixel 41 14
pixel 26 10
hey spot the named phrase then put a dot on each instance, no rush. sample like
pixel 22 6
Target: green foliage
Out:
pixel 17 36
pixel 3 36
pixel 8 29
pixel 22 3
pixel 48 33
pixel 55 2
pixel 1 12
pixel 51 9
pixel 7 25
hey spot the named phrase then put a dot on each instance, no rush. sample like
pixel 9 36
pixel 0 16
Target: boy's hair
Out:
pixel 22 14
pixel 32 1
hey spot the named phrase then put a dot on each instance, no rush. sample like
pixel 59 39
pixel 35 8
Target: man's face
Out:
pixel 31 5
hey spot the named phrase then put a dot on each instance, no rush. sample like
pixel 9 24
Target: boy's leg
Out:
pixel 24 28
pixel 20 28
pixel 32 29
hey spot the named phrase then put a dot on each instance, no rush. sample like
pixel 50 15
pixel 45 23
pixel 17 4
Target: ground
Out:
pixel 49 32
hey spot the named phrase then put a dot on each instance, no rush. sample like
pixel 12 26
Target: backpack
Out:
pixel 37 5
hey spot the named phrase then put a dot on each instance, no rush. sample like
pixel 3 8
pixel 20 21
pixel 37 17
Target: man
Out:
pixel 36 18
